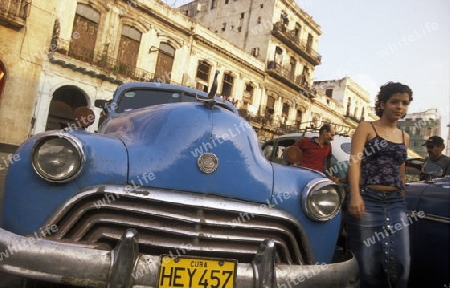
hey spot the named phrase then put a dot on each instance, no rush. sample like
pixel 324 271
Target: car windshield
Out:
pixel 139 98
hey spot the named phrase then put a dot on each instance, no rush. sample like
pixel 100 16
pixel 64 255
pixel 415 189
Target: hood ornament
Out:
pixel 208 163
pixel 210 101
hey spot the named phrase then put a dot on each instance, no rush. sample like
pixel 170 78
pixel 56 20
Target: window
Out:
pixel 292 64
pixel 285 111
pixel 255 52
pixel 329 93
pixel 213 4
pixel 86 24
pixel 203 70
pixel 248 94
pixel 309 43
pixel 242 15
pixel 164 62
pixel 297 30
pixel 224 26
pixel 227 1
pixel 227 86
pixel 299 115
pixel 128 50
pixel 278 56
pixel 284 18
pixel 259 20
pixel 270 105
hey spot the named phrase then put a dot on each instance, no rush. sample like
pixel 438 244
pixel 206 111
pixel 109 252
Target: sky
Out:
pixel 376 41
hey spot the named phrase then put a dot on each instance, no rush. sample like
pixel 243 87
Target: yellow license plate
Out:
pixel 196 272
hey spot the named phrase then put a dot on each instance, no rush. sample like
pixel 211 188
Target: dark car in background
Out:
pixel 428 204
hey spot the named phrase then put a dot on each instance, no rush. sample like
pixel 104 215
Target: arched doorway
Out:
pixel 2 78
pixel 65 100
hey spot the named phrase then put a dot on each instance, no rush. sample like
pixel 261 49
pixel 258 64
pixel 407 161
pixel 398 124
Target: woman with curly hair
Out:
pixel 377 224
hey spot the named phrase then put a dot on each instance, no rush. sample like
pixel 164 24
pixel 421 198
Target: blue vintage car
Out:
pixel 428 204
pixel 173 191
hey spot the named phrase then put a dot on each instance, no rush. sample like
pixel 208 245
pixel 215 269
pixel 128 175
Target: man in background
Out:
pixel 435 146
pixel 315 151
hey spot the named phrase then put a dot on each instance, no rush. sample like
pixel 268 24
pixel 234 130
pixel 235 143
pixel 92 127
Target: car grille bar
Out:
pixel 174 222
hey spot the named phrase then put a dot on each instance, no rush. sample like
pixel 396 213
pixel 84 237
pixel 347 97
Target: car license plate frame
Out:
pixel 193 271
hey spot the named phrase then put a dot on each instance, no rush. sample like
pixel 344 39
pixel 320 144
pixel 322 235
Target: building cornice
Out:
pixel 303 15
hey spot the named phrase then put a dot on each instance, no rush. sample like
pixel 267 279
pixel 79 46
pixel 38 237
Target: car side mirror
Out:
pixel 100 103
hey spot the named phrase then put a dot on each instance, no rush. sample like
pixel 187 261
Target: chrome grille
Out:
pixel 173 222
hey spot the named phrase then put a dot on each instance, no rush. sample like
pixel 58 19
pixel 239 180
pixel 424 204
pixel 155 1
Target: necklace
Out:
pixel 386 132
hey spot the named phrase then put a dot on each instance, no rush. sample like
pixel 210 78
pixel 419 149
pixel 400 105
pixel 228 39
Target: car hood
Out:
pixel 165 142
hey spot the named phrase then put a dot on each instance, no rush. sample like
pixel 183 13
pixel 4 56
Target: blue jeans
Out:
pixel 380 240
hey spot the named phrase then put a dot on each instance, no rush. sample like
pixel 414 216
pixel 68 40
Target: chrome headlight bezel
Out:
pixel 318 186
pixel 73 143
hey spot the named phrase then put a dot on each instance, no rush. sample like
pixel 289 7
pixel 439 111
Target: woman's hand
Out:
pixel 356 207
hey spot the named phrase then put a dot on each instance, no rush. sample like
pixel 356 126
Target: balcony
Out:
pixel 99 65
pixel 297 82
pixel 292 41
pixel 14 13
pixel 276 127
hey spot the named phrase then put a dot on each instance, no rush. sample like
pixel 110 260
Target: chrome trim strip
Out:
pixel 284 227
pixel 88 267
pixel 437 218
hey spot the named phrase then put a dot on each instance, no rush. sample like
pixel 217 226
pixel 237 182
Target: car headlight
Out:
pixel 322 200
pixel 58 159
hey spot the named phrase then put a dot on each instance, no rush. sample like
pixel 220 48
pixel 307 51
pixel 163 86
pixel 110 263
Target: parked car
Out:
pixel 168 195
pixel 341 145
pixel 428 204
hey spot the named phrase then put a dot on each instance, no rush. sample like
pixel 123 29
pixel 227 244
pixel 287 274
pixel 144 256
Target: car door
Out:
pixel 430 234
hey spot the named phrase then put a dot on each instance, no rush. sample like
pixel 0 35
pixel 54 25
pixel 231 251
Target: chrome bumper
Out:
pixel 85 266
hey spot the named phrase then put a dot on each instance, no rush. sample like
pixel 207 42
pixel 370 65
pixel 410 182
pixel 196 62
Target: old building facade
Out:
pixel 285 39
pixel 58 56
pixel 353 98
pixel 420 126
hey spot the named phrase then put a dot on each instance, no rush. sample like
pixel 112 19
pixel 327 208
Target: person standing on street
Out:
pixel 435 146
pixel 315 151
pixel 377 204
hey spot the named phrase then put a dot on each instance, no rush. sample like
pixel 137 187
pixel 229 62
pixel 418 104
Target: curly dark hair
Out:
pixel 386 92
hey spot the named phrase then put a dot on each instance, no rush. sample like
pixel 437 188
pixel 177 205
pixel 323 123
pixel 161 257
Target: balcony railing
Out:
pixel 279 128
pixel 286 74
pixel 289 37
pixel 108 65
pixel 14 12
